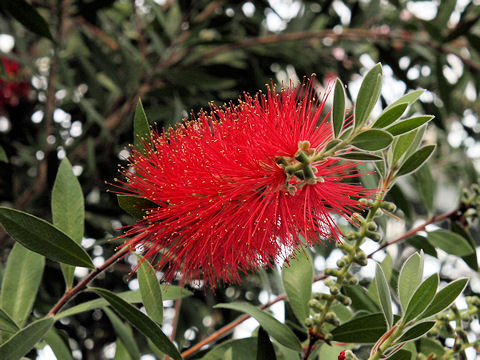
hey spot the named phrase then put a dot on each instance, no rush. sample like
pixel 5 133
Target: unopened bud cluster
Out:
pixel 470 202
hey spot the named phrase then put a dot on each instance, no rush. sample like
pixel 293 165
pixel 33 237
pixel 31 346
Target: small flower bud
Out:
pixel 341 263
pixel 351 235
pixel 390 207
pixel 356 217
pixel 334 290
pixel 309 322
pixel 342 356
pixel 331 318
pixel 375 236
pixel 372 226
pixel 328 337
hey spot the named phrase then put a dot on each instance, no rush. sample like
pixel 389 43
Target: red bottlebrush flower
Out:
pixel 12 89
pixel 235 187
pixel 342 355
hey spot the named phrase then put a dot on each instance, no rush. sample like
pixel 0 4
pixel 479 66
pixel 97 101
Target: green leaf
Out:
pixel 359 156
pixel 141 128
pixel 430 346
pixel 275 328
pixel 387 267
pixel 384 295
pixel 402 144
pixel 58 345
pixel 471 260
pixel 124 333
pixel 421 243
pixel 68 210
pixel 3 155
pixel 368 95
pixel 450 242
pixel 151 291
pixel 361 300
pixel 425 185
pixel 416 160
pixel 390 115
pixel 28 16
pixel 21 281
pixel 241 349
pixel 417 331
pixel 169 292
pixel 121 352
pixel 297 276
pixel 265 350
pixel 134 205
pixel 409 98
pixel 141 321
pixel 7 324
pixel 43 238
pixel 338 110
pixel 409 278
pixel 361 330
pixel 372 140
pixel 445 297
pixel 401 355
pixel 421 298
pixel 25 339
pixel 409 124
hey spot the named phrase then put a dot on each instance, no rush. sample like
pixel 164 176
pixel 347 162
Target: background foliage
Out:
pixel 88 63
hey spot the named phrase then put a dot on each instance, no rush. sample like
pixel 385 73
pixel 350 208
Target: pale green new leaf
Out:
pixel 384 295
pixel 409 278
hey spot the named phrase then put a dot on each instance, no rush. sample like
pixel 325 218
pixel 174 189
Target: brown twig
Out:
pixel 178 304
pixel 82 285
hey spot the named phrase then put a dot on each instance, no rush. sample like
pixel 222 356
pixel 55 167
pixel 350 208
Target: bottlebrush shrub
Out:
pixel 240 188
pixel 12 88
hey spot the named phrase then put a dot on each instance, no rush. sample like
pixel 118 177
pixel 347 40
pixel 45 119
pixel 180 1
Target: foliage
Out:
pixel 89 62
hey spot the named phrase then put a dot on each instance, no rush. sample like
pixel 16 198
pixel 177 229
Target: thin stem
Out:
pixel 83 284
pixel 178 304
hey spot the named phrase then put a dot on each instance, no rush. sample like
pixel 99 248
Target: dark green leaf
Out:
pixel 265 350
pixel 43 238
pixel 297 276
pixel 425 184
pixel 332 144
pixel 124 333
pixel 28 16
pixel 25 339
pixel 372 140
pixel 240 349
pixel 416 160
pixel 141 128
pixel 169 292
pixel 390 115
pixel 471 260
pixel 3 154
pixel 6 323
pixel 134 205
pixel 445 297
pixel 409 278
pixel 401 355
pixel 151 291
pixel 275 328
pixel 121 352
pixel 68 210
pixel 368 95
pixel 361 330
pixel 58 345
pixel 359 156
pixel 384 295
pixel 409 98
pixel 141 321
pixel 361 299
pixel 430 346
pixel 421 298
pixel 417 330
pixel 450 242
pixel 402 144
pixel 408 125
pixel 338 110
pixel 21 281
pixel 421 243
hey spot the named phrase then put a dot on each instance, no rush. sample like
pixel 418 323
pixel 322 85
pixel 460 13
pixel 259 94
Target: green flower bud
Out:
pixel 375 236
pixel 309 322
pixel 334 290
pixel 331 318
pixel 351 235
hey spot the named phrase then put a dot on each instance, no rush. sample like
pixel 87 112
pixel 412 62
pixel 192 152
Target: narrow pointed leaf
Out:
pixel 124 333
pixel 43 238
pixel 280 332
pixel 361 330
pixel 20 284
pixel 450 242
pixel 58 345
pixel 417 331
pixel 141 128
pixel 141 321
pixel 384 295
pixel 408 124
pixel 471 260
pixel 401 145
pixel 151 291
pixel 121 352
pixel 6 323
pixel 410 277
pixel 134 205
pixel 3 155
pixel 338 110
pixel 297 278
pixel 422 297
pixel 372 140
pixel 28 16
pixel 68 210
pixel 445 297
pixel 409 98
pixel 368 95
pixel 416 160
pixel 390 115
pixel 25 339
pixel 401 355
pixel 359 156
pixel 265 350
pixel 238 349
